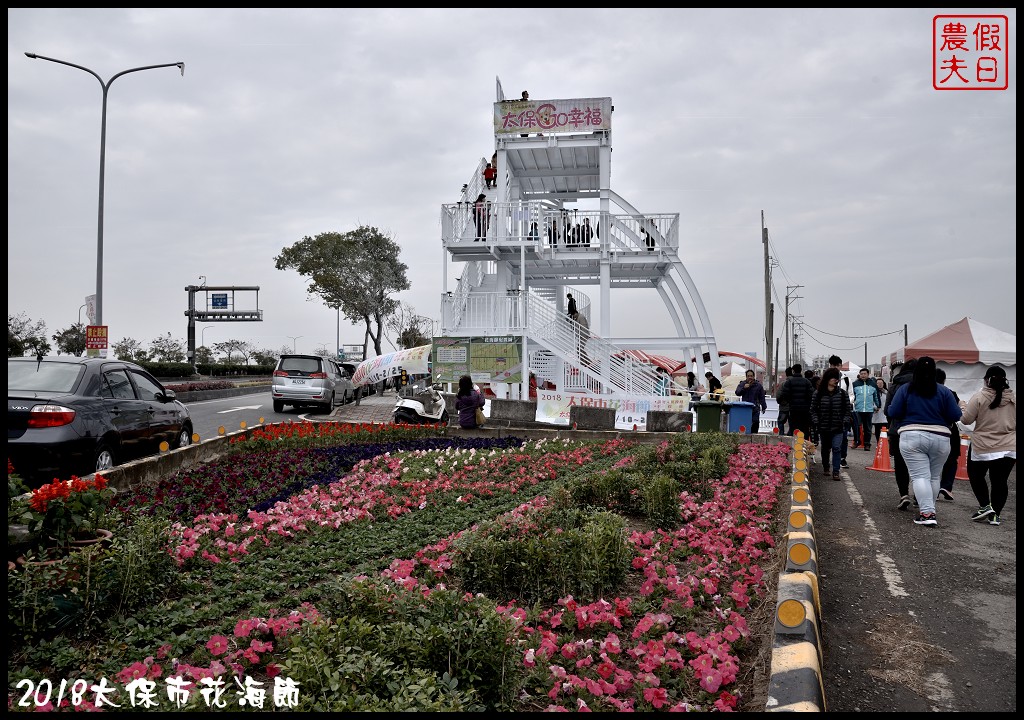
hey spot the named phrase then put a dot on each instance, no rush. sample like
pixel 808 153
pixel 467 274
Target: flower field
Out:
pixel 343 568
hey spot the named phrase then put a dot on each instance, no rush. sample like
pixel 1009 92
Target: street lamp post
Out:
pixel 295 339
pixel 103 152
pixel 80 314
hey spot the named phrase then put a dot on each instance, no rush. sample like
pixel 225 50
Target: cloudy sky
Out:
pixel 888 202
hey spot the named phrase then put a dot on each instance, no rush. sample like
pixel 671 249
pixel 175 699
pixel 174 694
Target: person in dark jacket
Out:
pixel 904 372
pixel 715 391
pixel 798 392
pixel 830 411
pixel 467 400
pixel 949 469
pixel 751 391
pixel 782 422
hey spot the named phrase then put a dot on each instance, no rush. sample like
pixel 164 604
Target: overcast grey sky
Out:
pixel 889 202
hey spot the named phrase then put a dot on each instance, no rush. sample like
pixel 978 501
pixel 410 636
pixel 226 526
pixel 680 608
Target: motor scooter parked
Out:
pixel 421 405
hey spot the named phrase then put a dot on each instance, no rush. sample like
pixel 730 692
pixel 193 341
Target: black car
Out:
pixel 75 416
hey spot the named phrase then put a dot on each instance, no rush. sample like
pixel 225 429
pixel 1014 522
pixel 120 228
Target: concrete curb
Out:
pixel 796 683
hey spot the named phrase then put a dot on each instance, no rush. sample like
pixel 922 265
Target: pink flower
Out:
pixel 711 680
pixel 656 697
pixel 217 645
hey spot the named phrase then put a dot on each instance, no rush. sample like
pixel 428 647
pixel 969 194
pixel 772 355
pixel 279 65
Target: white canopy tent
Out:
pixel 965 350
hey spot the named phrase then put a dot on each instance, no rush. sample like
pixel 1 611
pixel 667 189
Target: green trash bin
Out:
pixel 709 415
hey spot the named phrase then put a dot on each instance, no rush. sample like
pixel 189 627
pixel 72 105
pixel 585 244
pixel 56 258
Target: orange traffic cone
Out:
pixel 881 462
pixel 961 463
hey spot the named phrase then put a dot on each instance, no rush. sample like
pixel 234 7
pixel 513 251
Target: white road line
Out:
pixel 890 574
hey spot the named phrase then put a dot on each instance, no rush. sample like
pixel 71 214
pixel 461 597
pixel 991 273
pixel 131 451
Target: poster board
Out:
pixel 486 359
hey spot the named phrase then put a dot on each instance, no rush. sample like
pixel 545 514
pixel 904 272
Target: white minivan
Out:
pixel 307 381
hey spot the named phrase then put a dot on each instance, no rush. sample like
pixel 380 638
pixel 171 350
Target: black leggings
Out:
pixel 998 470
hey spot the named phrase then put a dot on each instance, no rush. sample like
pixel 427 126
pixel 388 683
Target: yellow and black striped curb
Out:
pixel 796 684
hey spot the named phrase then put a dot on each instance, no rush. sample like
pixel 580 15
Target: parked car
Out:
pixel 357 393
pixel 307 381
pixel 75 416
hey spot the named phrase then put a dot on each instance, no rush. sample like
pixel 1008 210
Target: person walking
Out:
pixel 571 310
pixel 797 392
pixel 751 391
pixel 814 379
pixel 836 362
pixel 490 176
pixel 467 400
pixel 925 410
pixel 481 215
pixel 693 387
pixel 878 417
pixel 948 477
pixel 830 413
pixel 782 422
pixel 993 448
pixel 661 385
pixel 903 374
pixel 865 402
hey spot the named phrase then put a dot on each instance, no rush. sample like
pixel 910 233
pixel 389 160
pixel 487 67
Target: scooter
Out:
pixel 421 405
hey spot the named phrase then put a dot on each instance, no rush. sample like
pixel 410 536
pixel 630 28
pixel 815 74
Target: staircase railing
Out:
pixel 596 364
pixel 537 224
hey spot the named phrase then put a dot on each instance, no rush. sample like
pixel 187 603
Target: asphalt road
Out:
pixel 914 618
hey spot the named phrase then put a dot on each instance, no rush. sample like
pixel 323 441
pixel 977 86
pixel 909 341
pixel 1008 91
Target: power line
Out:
pixel 824 345
pixel 856 337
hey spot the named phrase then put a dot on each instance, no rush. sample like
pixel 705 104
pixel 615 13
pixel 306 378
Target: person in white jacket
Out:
pixel 993 449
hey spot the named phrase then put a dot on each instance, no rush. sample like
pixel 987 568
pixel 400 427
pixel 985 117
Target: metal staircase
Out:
pixel 554 222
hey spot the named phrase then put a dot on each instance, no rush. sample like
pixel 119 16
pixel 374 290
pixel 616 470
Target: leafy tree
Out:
pixel 265 356
pixel 230 347
pixel 204 355
pixel 25 337
pixel 167 349
pixel 71 341
pixel 323 351
pixel 285 350
pixel 410 329
pixel 130 349
pixel 357 271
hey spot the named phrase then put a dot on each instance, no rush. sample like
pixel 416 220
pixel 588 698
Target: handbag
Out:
pixel 480 417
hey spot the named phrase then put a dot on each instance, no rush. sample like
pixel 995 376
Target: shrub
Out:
pixel 393 650
pixel 540 555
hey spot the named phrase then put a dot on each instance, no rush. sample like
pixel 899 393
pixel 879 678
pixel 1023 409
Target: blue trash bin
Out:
pixel 741 414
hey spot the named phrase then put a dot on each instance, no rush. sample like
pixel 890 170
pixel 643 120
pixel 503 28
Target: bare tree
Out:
pixel 130 349
pixel 230 347
pixel 167 349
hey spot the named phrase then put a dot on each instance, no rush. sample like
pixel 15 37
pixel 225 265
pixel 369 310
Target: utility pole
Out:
pixel 797 351
pixel 905 341
pixel 769 331
pixel 789 357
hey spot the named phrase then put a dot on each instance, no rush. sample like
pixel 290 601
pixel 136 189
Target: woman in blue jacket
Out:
pixel 925 410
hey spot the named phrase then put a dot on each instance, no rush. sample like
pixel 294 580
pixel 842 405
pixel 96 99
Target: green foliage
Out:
pixel 389 650
pixel 93 583
pixel 358 272
pixel 542 555
pixel 71 340
pixel 25 337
